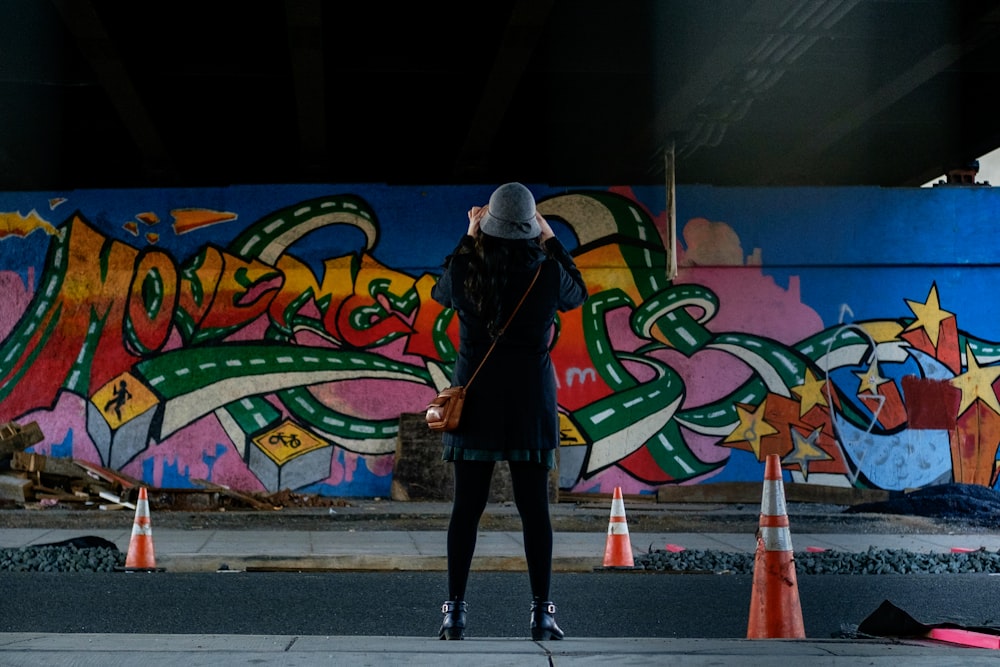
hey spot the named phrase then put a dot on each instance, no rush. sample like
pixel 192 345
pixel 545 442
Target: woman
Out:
pixel 510 412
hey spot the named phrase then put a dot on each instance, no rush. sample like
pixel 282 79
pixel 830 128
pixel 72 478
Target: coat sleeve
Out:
pixel 572 289
pixel 442 289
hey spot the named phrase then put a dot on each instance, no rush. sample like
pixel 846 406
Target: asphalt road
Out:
pixel 405 604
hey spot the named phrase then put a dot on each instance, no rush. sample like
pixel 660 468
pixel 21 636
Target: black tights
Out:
pixel 531 496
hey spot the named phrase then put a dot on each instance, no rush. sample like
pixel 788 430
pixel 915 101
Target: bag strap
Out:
pixel 504 328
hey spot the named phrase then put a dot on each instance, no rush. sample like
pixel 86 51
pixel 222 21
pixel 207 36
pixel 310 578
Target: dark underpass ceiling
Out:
pixel 103 93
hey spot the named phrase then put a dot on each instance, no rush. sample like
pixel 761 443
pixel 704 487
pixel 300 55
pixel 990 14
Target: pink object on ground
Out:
pixel 965 637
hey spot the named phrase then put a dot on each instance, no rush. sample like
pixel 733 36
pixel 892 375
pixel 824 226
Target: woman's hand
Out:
pixel 543 225
pixel 476 214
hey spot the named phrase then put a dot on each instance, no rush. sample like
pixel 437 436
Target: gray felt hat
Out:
pixel 511 213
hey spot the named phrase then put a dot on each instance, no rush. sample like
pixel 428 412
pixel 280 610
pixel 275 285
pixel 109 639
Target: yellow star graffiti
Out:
pixel 811 393
pixel 752 427
pixel 870 379
pixel 805 450
pixel 929 315
pixel 977 382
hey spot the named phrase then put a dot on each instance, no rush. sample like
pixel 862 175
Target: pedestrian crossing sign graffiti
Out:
pixel 122 399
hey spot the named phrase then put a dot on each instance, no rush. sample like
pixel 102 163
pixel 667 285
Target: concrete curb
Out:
pixel 358 563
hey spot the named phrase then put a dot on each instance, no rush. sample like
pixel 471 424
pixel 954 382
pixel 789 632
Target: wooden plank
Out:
pixel 107 495
pixel 225 490
pixel 15 438
pixel 750 492
pixel 15 488
pixel 45 493
pixel 108 475
pixel 49 465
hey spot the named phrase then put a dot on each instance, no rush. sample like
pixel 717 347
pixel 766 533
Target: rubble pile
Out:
pixel 36 481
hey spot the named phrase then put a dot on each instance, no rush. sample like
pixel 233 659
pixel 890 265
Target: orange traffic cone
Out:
pixel 618 548
pixel 775 610
pixel 141 557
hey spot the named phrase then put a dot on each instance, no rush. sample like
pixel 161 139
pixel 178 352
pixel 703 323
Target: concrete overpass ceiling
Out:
pixel 100 93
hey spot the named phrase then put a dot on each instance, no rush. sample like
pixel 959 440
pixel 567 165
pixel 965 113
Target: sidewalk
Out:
pixel 70 650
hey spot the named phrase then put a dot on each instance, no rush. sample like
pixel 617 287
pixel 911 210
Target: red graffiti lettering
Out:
pixel 226 292
pixel 366 317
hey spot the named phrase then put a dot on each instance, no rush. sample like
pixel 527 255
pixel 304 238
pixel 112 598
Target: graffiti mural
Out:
pixel 269 338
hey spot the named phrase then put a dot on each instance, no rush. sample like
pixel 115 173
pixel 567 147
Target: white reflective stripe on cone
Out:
pixel 144 529
pixel 617 528
pixel 776 539
pixel 773 503
pixel 618 507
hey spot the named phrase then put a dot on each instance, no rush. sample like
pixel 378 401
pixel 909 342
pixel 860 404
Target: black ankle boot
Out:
pixel 453 625
pixel 543 622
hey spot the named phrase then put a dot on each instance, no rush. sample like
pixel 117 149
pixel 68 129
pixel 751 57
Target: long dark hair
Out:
pixel 489 267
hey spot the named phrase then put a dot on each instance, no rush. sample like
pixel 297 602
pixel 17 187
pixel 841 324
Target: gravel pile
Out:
pixel 82 554
pixel 872 561
pixel 967 504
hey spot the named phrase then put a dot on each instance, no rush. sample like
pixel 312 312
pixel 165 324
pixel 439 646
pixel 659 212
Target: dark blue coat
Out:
pixel 512 403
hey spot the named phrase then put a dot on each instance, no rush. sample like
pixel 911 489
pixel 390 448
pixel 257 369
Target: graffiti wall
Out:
pixel 268 338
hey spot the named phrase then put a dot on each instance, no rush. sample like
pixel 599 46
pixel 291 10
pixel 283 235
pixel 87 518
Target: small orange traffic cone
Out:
pixel 775 610
pixel 141 556
pixel 618 547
